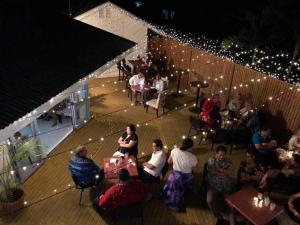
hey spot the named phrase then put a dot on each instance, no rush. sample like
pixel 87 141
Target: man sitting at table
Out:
pixel 125 193
pixel 86 172
pixel 219 183
pixel 138 79
pixel 265 146
pixel 151 170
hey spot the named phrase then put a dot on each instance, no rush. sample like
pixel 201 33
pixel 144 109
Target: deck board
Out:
pixel 109 121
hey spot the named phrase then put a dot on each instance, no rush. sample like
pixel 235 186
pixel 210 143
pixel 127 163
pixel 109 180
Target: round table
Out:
pixel 197 84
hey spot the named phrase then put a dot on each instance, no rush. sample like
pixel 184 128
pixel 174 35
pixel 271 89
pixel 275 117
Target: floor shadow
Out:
pixel 98 101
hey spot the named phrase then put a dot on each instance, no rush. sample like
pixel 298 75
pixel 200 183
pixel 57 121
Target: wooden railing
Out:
pixel 278 99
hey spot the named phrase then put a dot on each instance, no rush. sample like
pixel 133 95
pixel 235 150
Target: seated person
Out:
pixel 128 142
pixel 265 146
pixel 246 112
pixel 152 169
pixel 255 121
pixel 138 79
pixel 158 86
pixel 237 103
pixel 289 174
pixel 127 192
pixel 291 215
pixel 249 172
pixel 125 66
pixel 180 180
pixel 153 70
pixel 211 119
pixel 86 172
pixel 209 103
pixel 294 142
pixel 219 182
pixel 158 83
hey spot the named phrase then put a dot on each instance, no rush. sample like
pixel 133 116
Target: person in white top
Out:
pixel 138 79
pixel 237 103
pixel 158 83
pixel 152 169
pixel 183 161
pixel 180 180
pixel 294 142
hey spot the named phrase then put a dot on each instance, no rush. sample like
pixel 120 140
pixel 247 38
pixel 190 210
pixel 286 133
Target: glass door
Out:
pixel 80 107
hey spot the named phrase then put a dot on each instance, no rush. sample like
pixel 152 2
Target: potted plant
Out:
pixel 11 193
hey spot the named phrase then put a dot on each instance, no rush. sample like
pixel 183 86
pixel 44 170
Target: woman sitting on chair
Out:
pixel 180 179
pixel 128 142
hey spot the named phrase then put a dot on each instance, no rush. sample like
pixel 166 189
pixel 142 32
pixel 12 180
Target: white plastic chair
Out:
pixel 157 102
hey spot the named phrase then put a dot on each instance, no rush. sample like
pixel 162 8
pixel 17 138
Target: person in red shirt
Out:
pixel 211 102
pixel 126 192
pixel 210 115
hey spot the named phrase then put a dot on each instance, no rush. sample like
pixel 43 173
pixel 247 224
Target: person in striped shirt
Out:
pixel 85 171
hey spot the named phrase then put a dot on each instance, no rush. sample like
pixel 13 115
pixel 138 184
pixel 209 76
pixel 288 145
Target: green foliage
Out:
pixel 8 181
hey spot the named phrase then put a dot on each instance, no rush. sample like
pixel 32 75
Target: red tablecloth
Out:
pixel 111 169
pixel 138 88
pixel 242 201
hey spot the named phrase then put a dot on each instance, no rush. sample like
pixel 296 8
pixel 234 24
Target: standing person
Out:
pixel 219 182
pixel 180 180
pixel 152 169
pixel 86 172
pixel 128 142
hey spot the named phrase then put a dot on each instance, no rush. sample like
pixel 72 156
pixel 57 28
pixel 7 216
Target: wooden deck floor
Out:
pixel 51 198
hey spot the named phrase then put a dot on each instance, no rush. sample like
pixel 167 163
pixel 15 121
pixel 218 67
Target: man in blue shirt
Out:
pixel 86 172
pixel 265 147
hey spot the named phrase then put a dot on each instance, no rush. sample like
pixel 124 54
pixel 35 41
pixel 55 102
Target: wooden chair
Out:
pixel 158 102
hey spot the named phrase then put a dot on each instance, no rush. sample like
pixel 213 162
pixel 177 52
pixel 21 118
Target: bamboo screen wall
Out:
pixel 276 97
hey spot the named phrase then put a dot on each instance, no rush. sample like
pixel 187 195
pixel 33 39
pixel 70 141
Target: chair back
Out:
pixel 75 180
pixel 165 169
pixel 161 99
pixel 166 82
pixel 195 123
pixel 119 65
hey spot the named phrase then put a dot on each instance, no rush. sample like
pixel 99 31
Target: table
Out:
pixel 242 201
pixel 198 84
pixel 111 169
pixel 141 89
